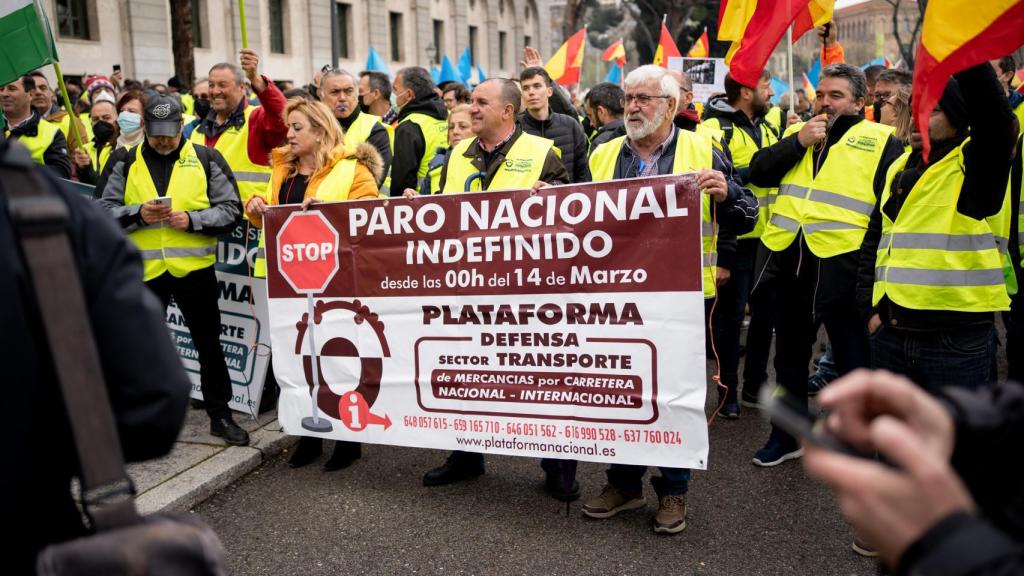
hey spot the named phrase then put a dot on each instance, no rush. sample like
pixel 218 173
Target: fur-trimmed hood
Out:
pixel 368 156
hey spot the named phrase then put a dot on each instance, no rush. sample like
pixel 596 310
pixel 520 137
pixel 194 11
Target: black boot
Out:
pixel 306 451
pixel 225 427
pixel 459 466
pixel 345 453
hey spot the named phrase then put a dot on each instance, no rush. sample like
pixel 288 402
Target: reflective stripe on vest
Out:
pixel 233 144
pixel 521 169
pixel 333 188
pixel 693 152
pixel 934 258
pixel 743 147
pixel 163 248
pixel 435 135
pixel 833 207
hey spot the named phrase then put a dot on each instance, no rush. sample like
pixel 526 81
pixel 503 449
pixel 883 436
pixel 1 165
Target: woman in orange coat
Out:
pixel 315 166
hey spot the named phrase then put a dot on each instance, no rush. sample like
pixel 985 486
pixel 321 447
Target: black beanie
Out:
pixel 954 107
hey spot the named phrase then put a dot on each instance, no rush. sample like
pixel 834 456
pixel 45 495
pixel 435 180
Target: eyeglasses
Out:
pixel 642 100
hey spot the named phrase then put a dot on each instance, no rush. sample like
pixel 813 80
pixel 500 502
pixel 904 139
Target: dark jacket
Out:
pixel 410 146
pixel 147 384
pixel 56 156
pixel 553 172
pixel 568 136
pixel 987 160
pixel 989 432
pixel 378 139
pixel 609 131
pixel 719 107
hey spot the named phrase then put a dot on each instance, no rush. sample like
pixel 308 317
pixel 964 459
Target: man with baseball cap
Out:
pixel 174 197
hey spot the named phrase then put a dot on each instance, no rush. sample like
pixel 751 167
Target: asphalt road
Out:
pixel 377 518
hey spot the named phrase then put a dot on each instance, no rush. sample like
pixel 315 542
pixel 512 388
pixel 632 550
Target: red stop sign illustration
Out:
pixel 307 251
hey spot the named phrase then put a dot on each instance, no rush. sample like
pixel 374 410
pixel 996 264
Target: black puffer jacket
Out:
pixel 568 136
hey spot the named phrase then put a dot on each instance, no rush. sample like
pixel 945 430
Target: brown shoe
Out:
pixel 671 516
pixel 611 501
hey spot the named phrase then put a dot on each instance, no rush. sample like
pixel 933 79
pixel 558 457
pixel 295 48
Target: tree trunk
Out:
pixel 573 17
pixel 181 41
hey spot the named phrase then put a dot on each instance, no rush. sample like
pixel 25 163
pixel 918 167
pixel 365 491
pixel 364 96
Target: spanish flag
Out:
pixel 666 48
pixel 816 13
pixel 1018 81
pixel 701 48
pixel 615 52
pixel 755 28
pixel 564 66
pixel 809 88
pixel 955 35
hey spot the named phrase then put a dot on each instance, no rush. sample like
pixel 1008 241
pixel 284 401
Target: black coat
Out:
pixel 146 382
pixel 568 136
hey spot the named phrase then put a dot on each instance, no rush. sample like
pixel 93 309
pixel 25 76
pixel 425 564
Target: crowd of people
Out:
pixel 823 213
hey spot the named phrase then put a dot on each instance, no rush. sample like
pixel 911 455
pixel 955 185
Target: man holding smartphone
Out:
pixel 174 197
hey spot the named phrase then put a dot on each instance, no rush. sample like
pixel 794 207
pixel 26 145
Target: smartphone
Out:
pixel 165 200
pixel 781 409
pixel 117 68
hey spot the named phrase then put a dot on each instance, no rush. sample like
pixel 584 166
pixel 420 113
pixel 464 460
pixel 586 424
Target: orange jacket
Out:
pixel 364 183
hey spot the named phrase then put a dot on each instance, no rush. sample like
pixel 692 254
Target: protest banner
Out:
pixel 567 323
pixel 244 331
pixel 244 336
pixel 707 75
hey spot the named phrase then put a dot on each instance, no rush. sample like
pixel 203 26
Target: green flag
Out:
pixel 26 39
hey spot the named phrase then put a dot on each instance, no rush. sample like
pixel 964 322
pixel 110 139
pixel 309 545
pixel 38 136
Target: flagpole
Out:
pixel 72 117
pixel 789 59
pixel 241 15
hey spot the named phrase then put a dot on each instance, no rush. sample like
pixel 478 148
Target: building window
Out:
pixel 198 23
pixel 396 36
pixel 277 26
pixel 438 40
pixel 73 19
pixel 502 39
pixel 472 44
pixel 344 19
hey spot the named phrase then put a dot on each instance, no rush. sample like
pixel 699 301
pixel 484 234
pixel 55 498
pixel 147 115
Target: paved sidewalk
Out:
pixel 201 464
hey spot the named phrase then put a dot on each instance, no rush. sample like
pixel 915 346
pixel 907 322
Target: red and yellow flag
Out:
pixel 564 66
pixel 701 48
pixel 955 35
pixel 615 52
pixel 666 48
pixel 1018 81
pixel 816 13
pixel 809 90
pixel 759 25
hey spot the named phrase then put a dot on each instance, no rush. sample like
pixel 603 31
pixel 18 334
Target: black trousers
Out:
pixel 1014 322
pixel 196 295
pixel 729 312
pixel 810 290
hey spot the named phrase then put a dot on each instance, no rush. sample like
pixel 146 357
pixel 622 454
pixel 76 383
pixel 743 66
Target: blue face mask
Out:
pixel 129 122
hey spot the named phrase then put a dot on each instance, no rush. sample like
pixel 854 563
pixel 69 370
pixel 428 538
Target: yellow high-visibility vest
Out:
pixel 693 152
pixel 743 148
pixel 932 257
pixel 163 248
pixel 521 169
pixel 833 207
pixel 233 144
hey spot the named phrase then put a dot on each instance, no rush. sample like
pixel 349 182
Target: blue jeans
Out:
pixel 965 357
pixel 827 365
pixel 629 478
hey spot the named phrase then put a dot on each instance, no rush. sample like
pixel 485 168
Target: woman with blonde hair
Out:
pixel 316 166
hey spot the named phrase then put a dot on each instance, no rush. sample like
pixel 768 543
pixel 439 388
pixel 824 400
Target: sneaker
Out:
pixel 777 450
pixel 749 400
pixel 730 410
pixel 863 548
pixel 225 427
pixel 671 516
pixel 611 501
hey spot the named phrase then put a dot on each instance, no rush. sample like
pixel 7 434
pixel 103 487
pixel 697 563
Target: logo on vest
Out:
pixel 518 165
pixel 188 162
pixel 862 143
pixel 162 110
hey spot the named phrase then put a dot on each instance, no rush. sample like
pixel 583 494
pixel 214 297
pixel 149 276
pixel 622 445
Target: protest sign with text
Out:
pixel 567 323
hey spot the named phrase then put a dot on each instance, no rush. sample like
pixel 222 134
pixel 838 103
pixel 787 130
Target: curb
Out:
pixel 198 483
